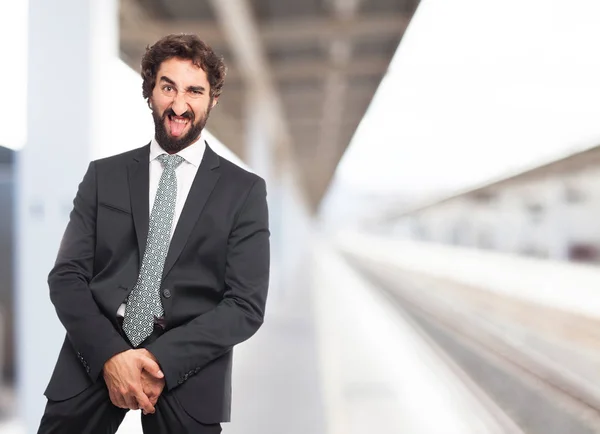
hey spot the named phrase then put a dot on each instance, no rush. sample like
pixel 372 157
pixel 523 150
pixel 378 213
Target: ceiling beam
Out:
pixel 297 103
pixel 292 98
pixel 351 119
pixel 284 32
pixel 299 69
pixel 279 33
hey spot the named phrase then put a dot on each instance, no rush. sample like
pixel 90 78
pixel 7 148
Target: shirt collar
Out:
pixel 192 154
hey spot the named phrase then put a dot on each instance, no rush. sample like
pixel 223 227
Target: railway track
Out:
pixel 527 392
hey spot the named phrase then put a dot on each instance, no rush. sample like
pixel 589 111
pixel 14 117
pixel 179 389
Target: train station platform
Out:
pixel 363 340
pixel 523 330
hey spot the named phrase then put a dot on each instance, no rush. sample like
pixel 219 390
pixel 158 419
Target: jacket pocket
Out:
pixel 114 208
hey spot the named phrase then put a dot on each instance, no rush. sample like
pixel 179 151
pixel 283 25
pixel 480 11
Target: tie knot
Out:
pixel 170 161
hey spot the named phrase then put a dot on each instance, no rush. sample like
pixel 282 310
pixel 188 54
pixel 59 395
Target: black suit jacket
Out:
pixel 214 284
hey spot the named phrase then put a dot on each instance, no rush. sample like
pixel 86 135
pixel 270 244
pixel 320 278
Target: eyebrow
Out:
pixel 167 79
pixel 192 88
pixel 196 88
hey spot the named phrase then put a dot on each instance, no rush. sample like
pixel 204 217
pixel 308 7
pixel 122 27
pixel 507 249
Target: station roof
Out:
pixel 319 62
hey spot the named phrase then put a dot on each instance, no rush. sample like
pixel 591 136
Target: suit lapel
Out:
pixel 203 185
pixel 138 172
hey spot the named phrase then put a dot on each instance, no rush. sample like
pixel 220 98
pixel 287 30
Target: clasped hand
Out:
pixel 134 380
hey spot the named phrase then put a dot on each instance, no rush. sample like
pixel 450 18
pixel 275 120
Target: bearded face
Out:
pixel 180 103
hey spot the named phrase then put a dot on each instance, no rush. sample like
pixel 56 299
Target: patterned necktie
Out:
pixel 144 302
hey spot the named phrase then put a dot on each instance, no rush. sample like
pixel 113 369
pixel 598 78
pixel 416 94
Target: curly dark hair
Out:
pixel 184 46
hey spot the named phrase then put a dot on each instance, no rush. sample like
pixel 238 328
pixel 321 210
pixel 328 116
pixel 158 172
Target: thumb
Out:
pixel 152 367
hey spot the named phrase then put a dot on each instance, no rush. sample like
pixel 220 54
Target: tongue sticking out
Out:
pixel 177 127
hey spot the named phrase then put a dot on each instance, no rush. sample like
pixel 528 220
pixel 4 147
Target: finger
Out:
pixel 131 402
pixel 153 401
pixel 152 367
pixel 143 401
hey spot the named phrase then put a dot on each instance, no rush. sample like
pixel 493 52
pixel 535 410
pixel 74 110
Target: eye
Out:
pixel 167 88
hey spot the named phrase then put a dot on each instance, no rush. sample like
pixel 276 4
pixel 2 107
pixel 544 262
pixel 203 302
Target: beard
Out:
pixel 171 144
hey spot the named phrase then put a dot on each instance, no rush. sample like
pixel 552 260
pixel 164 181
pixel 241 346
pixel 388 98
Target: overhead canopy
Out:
pixel 319 62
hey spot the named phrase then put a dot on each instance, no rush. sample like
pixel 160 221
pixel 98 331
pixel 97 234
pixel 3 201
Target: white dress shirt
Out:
pixel 186 172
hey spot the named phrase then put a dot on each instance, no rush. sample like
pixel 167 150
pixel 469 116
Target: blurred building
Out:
pixel 549 212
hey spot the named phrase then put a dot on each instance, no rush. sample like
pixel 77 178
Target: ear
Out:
pixel 215 101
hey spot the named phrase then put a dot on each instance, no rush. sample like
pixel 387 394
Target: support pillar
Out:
pixel 70 42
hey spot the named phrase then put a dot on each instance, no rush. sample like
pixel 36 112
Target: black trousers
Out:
pixel 92 412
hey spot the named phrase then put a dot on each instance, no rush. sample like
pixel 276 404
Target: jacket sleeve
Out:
pixel 240 313
pixel 91 333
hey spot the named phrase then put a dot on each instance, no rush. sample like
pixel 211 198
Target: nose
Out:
pixel 179 104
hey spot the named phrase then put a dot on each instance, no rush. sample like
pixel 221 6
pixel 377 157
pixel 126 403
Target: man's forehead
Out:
pixel 177 62
pixel 173 69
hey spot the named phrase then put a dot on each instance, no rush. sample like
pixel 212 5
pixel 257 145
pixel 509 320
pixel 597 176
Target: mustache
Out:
pixel 169 112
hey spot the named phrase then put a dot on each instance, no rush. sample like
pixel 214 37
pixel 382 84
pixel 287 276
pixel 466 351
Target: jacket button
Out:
pixel 167 292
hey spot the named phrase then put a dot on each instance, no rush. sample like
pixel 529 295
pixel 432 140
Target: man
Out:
pixel 162 269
